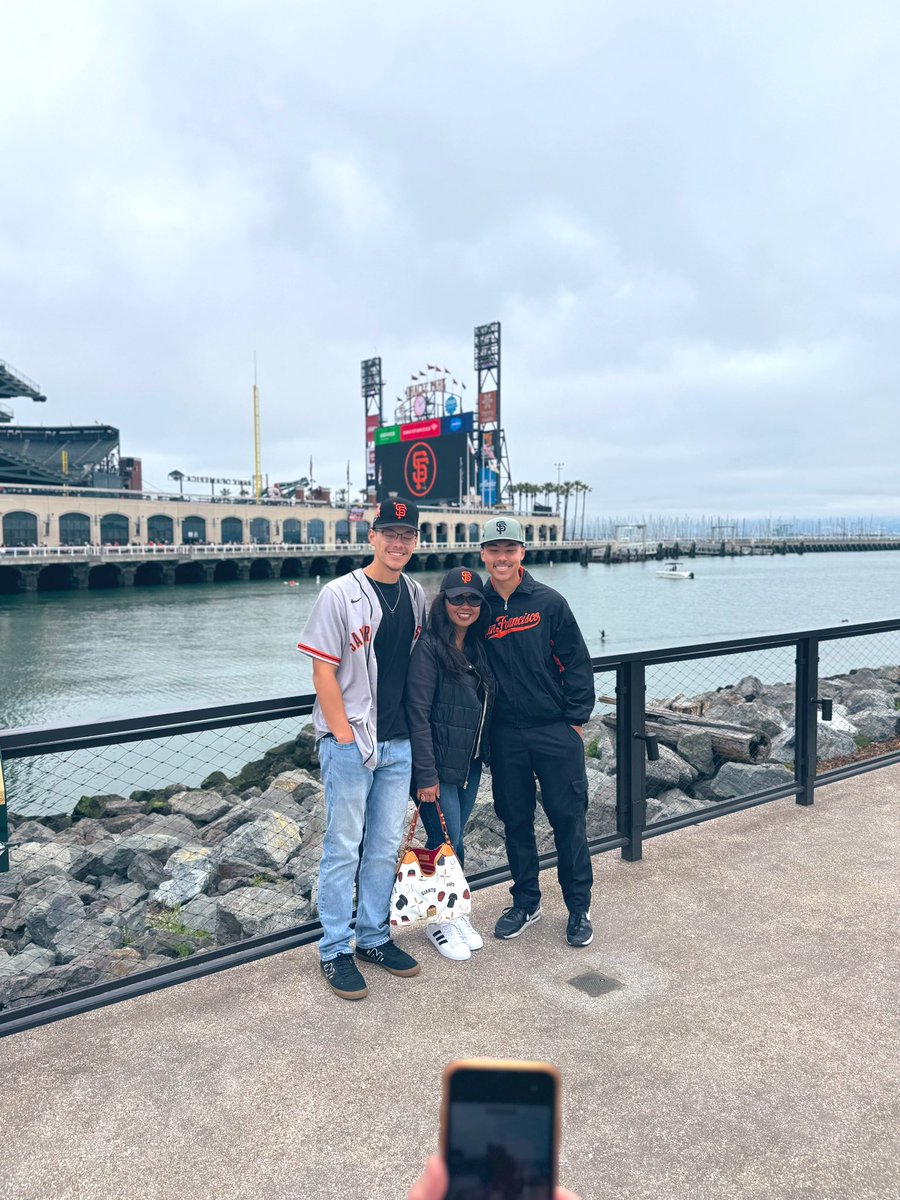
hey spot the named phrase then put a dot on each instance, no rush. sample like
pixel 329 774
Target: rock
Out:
pixel 669 770
pixel 177 824
pixel 85 832
pixel 146 871
pixel 269 841
pixel 215 780
pixel 119 857
pixel 200 807
pixel 863 699
pixel 190 871
pixel 30 831
pixel 280 802
pixel 743 779
pixel 44 908
pixel 601 747
pixel 83 937
pixel 115 901
pixel 759 715
pixel 119 806
pixel 783 697
pixel 217 831
pixel 749 688
pixel 91 806
pixel 864 677
pixel 250 912
pixel 199 915
pixel 6 903
pixel 830 743
pixel 697 750
pixel 671 803
pixel 877 724
pixel 125 823
pixel 16 969
pixel 36 860
pixel 840 720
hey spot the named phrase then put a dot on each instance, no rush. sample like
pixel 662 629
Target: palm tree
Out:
pixel 585 488
pixel 565 491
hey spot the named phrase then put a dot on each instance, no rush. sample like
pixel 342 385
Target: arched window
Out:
pixel 529 533
pixel 193 531
pixel 290 530
pixel 474 533
pixel 316 532
pixel 114 530
pixel 74 529
pixel 362 531
pixel 259 531
pixel 20 529
pixel 232 531
pixel 342 531
pixel 460 532
pixel 161 530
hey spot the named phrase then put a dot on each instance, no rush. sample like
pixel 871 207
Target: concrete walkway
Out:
pixel 752 1051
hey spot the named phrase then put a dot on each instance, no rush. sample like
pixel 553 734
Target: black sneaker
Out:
pixel 513 920
pixel 345 979
pixel 579 931
pixel 391 957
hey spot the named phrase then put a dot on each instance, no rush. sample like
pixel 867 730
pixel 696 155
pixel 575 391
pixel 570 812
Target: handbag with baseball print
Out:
pixel 429 884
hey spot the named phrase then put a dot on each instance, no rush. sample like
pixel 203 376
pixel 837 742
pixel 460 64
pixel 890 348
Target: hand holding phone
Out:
pixel 432 1183
pixel 500 1130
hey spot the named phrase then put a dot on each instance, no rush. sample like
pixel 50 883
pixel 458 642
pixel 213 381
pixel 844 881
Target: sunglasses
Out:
pixel 470 598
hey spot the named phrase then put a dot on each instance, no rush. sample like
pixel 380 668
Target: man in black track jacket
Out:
pixel 545 693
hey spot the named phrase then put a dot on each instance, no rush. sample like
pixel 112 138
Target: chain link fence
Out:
pixel 861 677
pixel 721 723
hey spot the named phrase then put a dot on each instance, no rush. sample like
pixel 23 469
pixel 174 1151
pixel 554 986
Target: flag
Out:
pixel 431 368
pixel 463 385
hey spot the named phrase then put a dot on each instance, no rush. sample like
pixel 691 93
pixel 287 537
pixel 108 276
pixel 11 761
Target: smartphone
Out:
pixel 500 1129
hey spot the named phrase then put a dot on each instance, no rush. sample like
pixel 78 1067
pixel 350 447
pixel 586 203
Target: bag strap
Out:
pixel 412 830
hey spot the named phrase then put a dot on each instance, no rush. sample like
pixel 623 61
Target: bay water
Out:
pixel 89 655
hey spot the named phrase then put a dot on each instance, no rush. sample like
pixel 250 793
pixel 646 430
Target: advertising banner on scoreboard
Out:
pixel 458 423
pixel 429 470
pixel 487 408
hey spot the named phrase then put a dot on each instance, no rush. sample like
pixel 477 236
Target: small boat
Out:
pixel 673 571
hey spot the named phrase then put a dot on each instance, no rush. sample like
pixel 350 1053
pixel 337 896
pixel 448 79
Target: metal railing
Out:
pixel 244 550
pixel 679 736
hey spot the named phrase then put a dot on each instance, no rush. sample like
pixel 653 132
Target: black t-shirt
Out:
pixel 392 644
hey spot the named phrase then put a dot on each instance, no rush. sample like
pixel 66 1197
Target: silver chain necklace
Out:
pixel 384 598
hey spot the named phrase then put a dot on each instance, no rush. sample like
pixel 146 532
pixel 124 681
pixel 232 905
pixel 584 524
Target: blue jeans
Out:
pixel 456 804
pixel 357 799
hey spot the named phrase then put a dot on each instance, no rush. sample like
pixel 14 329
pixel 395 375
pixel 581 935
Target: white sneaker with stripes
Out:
pixel 448 940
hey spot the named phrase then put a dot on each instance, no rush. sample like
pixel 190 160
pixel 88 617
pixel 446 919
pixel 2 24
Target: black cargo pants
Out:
pixel 555 754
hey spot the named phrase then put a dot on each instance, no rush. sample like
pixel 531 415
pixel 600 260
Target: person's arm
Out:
pixel 574 662
pixel 324 638
pixel 331 700
pixel 421 684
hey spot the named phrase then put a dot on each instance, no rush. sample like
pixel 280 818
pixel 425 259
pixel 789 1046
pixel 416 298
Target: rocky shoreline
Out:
pixel 129 883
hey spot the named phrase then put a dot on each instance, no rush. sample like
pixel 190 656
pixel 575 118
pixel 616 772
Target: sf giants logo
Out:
pixel 501 527
pixel 400 509
pixel 420 469
pixel 466 576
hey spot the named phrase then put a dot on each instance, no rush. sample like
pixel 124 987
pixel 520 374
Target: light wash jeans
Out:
pixel 357 799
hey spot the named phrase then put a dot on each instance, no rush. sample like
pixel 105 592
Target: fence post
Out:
pixel 4 824
pixel 631 808
pixel 806 715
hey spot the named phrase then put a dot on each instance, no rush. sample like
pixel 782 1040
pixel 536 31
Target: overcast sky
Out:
pixel 685 215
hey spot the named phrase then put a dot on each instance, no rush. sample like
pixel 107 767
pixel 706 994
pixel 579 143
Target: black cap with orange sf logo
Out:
pixel 462 581
pixel 396 512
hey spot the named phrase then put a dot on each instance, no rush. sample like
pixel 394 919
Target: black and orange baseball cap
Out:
pixel 462 581
pixel 396 512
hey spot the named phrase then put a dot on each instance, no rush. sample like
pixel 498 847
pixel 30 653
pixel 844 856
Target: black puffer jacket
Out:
pixel 447 718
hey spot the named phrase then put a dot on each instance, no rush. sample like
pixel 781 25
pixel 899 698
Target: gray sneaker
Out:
pixel 579 931
pixel 513 920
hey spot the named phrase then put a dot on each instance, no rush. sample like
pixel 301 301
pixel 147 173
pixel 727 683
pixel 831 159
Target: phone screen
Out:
pixel 500 1135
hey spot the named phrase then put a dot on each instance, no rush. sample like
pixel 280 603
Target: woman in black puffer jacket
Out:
pixel 449 695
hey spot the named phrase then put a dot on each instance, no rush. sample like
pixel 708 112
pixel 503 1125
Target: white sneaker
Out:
pixel 448 941
pixel 473 938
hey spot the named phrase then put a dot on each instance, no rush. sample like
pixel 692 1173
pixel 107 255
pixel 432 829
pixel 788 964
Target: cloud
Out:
pixel 683 216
